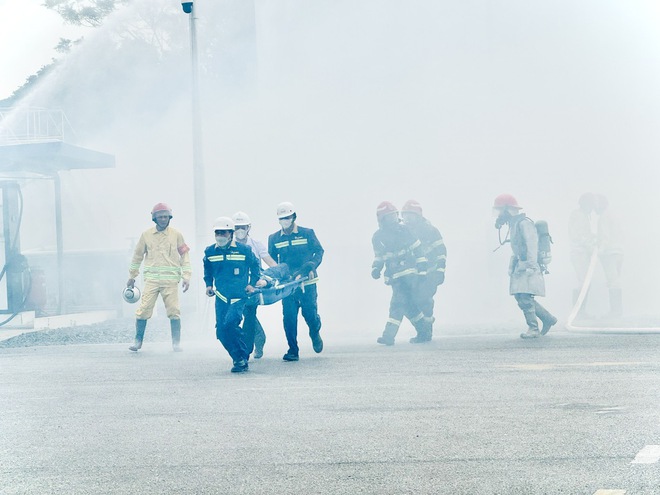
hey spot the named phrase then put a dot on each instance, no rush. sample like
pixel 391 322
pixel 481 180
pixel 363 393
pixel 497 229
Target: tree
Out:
pixel 88 13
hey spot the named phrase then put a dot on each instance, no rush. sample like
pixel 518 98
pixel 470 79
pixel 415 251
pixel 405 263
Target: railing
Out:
pixel 32 125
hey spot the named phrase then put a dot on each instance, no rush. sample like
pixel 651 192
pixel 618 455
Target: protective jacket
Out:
pixel 580 234
pixel 165 255
pixel 433 248
pixel 399 251
pixel 300 250
pixel 524 270
pixel 231 269
pixel 610 234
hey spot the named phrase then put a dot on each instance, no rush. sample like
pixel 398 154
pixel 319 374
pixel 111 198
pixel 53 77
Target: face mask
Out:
pixel 286 223
pixel 221 240
pixel 240 234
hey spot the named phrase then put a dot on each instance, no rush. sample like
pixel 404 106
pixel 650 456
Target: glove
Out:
pixel 375 273
pixel 306 268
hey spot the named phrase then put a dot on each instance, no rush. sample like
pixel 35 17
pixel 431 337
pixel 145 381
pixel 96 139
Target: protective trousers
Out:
pixel 253 332
pixel 306 302
pixel 426 289
pixel 228 328
pixel 168 290
pixel 404 303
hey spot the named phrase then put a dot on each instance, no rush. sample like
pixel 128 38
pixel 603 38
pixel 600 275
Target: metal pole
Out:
pixel 198 162
pixel 61 303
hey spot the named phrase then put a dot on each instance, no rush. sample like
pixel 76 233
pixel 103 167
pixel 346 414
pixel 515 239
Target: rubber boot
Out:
pixel 532 324
pixel 545 316
pixel 616 303
pixel 391 329
pixel 140 327
pixel 424 329
pixel 175 326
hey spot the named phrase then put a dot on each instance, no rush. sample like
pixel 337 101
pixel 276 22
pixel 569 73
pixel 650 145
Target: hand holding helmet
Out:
pixel 131 294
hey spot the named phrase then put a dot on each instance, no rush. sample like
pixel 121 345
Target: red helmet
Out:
pixel 504 200
pixel 385 208
pixel 160 207
pixel 412 206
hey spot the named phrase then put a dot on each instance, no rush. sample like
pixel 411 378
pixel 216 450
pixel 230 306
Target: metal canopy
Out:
pixel 50 157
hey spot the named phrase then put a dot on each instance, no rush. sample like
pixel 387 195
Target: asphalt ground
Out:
pixel 476 414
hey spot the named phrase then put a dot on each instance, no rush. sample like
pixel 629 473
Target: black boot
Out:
pixel 532 326
pixel 424 329
pixel 140 327
pixel 175 326
pixel 389 333
pixel 545 316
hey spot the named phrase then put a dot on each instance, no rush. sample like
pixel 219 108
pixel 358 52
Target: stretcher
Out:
pixel 280 285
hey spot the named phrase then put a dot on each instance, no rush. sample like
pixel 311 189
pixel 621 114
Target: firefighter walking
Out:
pixel 526 277
pixel 164 253
pixel 398 251
pixel 433 249
pixel 231 272
pixel 299 248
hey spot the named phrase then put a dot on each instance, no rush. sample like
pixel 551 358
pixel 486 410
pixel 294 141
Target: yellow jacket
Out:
pixel 165 256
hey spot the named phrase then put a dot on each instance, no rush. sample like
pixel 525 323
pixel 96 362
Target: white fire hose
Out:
pixel 598 329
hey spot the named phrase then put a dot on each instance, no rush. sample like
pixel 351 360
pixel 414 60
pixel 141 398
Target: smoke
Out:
pixel 337 105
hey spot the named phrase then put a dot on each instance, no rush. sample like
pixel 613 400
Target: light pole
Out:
pixel 198 162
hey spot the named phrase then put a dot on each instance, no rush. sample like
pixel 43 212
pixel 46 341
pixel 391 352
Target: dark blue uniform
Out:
pixel 435 251
pixel 400 253
pixel 229 270
pixel 302 252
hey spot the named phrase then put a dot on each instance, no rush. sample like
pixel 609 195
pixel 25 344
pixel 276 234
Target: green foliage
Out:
pixel 88 13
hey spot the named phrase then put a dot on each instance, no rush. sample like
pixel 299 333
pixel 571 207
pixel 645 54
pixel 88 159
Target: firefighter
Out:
pixel 299 248
pixel 398 251
pixel 166 263
pixel 254 332
pixel 526 277
pixel 231 272
pixel 434 250
pixel 610 252
pixel 583 242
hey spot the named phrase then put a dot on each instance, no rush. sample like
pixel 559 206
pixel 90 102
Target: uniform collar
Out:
pixel 294 231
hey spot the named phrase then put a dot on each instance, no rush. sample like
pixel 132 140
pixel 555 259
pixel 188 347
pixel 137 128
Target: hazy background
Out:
pixel 339 105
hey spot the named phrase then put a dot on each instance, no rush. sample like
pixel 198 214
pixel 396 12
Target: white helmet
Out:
pixel 131 294
pixel 223 223
pixel 285 209
pixel 241 218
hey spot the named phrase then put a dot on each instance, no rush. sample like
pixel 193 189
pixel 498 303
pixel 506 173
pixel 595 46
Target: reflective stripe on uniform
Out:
pixel 280 245
pixel 298 242
pixel 437 243
pixel 417 318
pixel 393 321
pixel 403 273
pixel 162 272
pixel 216 257
pixel 235 257
pixel 224 299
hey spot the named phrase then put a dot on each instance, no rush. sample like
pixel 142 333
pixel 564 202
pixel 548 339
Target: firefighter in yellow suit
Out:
pixel 166 263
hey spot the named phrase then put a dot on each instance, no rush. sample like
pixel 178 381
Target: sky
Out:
pixel 28 34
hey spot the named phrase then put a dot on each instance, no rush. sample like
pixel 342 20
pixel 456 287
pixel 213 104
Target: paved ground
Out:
pixel 478 414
